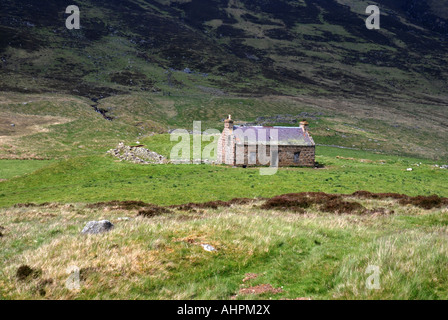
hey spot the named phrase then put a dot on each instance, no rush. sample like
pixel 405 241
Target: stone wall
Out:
pixel 307 157
pixel 300 156
pixel 226 148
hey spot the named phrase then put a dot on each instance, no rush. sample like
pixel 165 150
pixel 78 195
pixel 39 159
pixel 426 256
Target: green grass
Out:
pixel 101 178
pixel 318 255
pixel 14 168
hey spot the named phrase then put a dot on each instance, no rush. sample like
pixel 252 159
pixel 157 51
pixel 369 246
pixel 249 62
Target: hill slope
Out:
pixel 150 66
pixel 269 46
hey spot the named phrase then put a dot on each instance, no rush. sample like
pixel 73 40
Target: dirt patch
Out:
pixel 33 205
pixel 120 205
pixel 293 202
pixel 153 211
pixel 250 276
pixel 146 210
pixel 298 202
pixel 380 196
pixel 260 289
pixel 24 272
pixel 340 207
pixel 333 203
pixel 429 202
pixel 212 204
pixel 425 202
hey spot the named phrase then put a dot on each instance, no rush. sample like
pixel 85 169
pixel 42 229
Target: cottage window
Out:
pixel 296 157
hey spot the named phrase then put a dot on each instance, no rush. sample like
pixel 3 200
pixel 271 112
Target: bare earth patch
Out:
pixel 260 289
pixel 250 276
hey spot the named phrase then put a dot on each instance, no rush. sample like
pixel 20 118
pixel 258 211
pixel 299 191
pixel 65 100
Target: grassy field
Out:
pixel 102 178
pixel 314 255
pixel 282 254
pixel 15 168
pixel 279 254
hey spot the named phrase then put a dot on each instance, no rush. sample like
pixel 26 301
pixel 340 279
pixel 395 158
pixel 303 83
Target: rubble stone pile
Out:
pixel 138 155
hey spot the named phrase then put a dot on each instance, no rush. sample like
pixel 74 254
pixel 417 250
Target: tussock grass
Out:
pixel 313 254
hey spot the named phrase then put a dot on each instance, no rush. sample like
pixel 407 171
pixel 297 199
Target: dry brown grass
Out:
pixel 141 250
pixel 11 146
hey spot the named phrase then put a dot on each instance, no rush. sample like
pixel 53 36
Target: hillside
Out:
pixel 142 67
pixel 241 46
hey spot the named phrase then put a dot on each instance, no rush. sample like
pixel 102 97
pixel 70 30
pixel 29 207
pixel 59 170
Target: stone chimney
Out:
pixel 228 123
pixel 304 125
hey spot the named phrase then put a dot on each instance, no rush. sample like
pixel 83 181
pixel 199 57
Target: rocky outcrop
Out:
pixel 95 227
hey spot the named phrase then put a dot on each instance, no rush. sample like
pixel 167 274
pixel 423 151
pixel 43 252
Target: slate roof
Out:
pixel 287 136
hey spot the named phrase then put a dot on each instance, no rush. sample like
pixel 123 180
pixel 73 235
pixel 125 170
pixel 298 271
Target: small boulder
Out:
pixel 95 227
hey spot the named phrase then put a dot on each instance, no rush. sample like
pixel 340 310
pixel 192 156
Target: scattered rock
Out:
pixel 138 155
pixel 95 227
pixel 410 169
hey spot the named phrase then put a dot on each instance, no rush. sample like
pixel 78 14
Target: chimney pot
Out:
pixel 304 125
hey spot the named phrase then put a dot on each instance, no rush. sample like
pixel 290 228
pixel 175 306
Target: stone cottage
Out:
pixel 257 145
